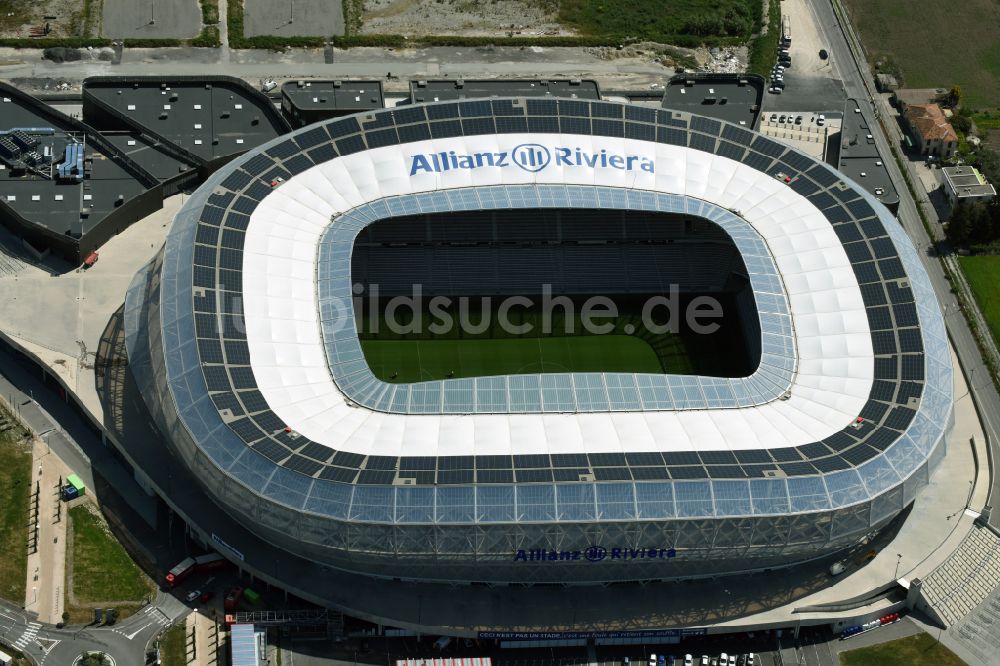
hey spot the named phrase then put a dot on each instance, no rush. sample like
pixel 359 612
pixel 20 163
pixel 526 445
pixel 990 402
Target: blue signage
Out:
pixel 593 554
pixel 530 157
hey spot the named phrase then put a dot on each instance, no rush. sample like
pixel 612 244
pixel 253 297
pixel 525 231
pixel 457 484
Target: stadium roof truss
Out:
pixel 289 410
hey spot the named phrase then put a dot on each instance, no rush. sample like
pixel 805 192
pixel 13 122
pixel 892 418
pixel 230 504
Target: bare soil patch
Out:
pixel 462 17
pixel 66 18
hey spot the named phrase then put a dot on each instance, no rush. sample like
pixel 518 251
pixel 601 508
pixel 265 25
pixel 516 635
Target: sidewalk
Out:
pixel 45 590
pixel 203 625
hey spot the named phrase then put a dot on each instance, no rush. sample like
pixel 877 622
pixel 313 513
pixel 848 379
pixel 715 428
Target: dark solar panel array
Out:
pixel 899 363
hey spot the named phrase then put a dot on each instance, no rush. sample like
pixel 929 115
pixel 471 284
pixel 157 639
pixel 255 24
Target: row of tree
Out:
pixel 974 224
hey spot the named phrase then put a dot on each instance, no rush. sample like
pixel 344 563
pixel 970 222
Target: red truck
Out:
pixel 233 596
pixel 189 565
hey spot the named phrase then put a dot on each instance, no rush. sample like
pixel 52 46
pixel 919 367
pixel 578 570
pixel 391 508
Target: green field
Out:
pixel 983 274
pixel 173 646
pixel 919 650
pixel 102 570
pixel 15 488
pixel 937 44
pixel 563 344
pixel 422 360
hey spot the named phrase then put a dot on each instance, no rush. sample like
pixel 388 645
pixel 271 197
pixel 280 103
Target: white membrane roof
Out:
pixel 835 365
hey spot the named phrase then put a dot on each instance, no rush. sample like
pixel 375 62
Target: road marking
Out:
pixel 28 636
pixel 155 619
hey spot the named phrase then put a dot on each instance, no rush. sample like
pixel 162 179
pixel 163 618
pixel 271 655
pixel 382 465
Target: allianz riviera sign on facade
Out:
pixel 531 157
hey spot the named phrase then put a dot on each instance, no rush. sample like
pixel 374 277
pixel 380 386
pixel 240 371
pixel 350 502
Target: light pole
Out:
pixel 899 556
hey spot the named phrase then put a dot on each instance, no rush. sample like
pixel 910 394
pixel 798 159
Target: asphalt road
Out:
pixel 126 641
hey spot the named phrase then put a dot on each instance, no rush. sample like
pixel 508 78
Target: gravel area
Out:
pixel 462 17
pixel 25 18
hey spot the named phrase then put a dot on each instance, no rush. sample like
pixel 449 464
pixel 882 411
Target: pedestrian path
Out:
pixel 46 571
pixel 966 578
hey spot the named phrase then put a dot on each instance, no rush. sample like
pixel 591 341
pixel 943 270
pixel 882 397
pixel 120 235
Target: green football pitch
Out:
pixel 417 360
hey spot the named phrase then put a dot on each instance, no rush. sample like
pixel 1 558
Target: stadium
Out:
pixel 807 419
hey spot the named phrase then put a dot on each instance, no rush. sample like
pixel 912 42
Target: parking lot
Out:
pixel 811 82
pixel 805 130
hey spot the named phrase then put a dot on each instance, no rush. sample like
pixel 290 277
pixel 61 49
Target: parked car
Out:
pixel 821 119
pixel 774 117
pixel 798 120
pixel 823 55
pixel 774 91
pixel 751 661
pixel 782 118
pixel 732 660
pixel 192 595
pixel 704 660
pixel 688 660
pixel 779 83
pixel 652 659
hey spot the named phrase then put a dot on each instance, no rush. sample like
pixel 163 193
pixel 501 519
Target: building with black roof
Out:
pixel 734 98
pixel 439 90
pixel 305 102
pixel 63 186
pixel 858 157
pixel 207 119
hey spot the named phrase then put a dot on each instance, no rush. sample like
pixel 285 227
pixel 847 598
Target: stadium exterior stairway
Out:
pixel 966 578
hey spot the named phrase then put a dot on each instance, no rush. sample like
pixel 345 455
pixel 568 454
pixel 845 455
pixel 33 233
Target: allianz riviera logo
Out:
pixel 530 157
pixel 593 554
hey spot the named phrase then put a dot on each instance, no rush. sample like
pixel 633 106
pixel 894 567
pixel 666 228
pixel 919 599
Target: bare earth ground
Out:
pixel 17 17
pixel 462 17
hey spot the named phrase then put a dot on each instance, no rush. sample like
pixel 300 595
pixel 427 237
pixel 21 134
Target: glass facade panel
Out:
pixel 168 366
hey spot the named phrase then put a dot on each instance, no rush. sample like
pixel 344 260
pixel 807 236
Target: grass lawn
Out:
pixel 15 487
pixel 102 570
pixel 937 44
pixel 423 360
pixel 919 650
pixel 173 646
pixel 983 274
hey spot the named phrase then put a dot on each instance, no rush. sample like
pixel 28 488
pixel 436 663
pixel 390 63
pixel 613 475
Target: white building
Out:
pixel 966 183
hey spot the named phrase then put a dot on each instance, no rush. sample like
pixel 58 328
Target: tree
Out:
pixel 988 161
pixel 980 225
pixel 955 95
pixel 94 659
pixel 961 123
pixel 957 230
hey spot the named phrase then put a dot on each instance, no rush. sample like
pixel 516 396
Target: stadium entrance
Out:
pixel 509 292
